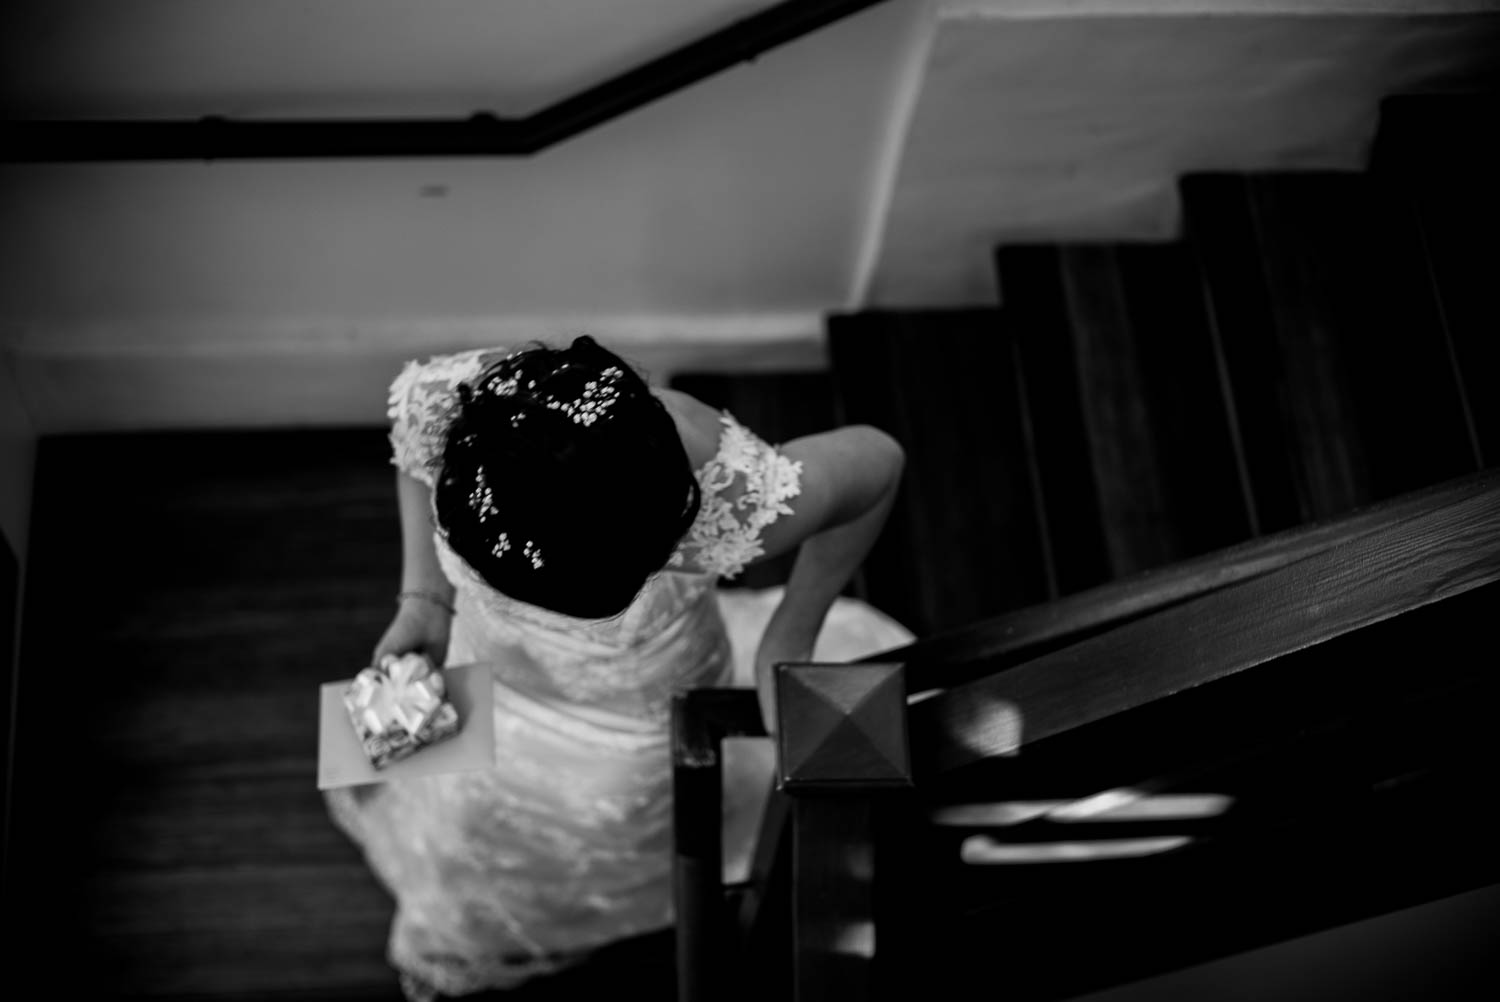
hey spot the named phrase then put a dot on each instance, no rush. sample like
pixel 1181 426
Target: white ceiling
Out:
pixel 275 58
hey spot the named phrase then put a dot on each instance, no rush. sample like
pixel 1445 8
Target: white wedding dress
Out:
pixel 566 844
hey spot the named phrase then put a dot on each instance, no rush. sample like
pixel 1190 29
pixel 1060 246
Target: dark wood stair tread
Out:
pixel 1344 387
pixel 962 541
pixel 1136 457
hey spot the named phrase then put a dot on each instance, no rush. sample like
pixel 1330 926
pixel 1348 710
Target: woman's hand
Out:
pixel 420 627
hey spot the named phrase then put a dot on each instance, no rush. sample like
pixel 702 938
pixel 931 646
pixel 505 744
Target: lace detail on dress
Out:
pixel 726 535
pixel 423 401
pixel 501 875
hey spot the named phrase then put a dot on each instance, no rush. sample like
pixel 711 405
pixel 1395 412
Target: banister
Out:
pixel 1167 631
pixel 812 765
pixel 841 749
pixel 958 656
pixel 481 134
pixel 1439 551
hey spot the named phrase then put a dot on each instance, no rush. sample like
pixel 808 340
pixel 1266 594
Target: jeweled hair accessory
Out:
pixel 508 377
pixel 592 403
pixel 537 437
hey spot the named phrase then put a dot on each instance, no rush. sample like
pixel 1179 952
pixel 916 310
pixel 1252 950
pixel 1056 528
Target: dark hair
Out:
pixel 564 481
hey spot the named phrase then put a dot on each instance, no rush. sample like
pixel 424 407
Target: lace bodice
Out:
pixel 423 401
pixel 565 844
pixel 618 661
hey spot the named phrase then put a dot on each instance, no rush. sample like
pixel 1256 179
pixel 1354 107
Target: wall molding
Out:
pixel 231 335
pixel 94 376
pixel 958 10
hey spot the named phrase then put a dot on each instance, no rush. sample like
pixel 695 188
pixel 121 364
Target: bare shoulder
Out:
pixel 697 423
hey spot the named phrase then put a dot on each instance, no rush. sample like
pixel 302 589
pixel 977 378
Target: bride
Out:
pixel 566 524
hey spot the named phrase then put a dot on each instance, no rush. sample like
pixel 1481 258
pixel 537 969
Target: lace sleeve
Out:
pixel 746 487
pixel 422 402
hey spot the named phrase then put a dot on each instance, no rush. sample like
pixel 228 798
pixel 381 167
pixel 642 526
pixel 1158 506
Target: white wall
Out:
pixel 724 215
pixel 1033 128
pixel 1227 8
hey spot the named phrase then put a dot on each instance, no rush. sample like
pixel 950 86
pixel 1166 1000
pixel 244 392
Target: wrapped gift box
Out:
pixel 343 761
pixel 399 707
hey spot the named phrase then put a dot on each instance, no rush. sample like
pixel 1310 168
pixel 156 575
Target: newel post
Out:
pixel 842 747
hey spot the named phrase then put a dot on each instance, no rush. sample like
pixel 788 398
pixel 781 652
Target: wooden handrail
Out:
pixel 1440 548
pixel 956 656
pixel 481 134
pixel 1128 644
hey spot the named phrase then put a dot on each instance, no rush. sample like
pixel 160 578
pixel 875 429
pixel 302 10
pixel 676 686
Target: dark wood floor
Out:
pixel 186 596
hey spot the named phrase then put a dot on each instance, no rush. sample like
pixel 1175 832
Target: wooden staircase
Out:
pixel 1079 457
pixel 1314 343
pixel 167 842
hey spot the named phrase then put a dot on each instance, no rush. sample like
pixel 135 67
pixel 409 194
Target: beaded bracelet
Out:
pixel 427 596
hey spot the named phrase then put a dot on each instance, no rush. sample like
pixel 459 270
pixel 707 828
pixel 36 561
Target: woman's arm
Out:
pixel 421 624
pixel 420 570
pixel 849 482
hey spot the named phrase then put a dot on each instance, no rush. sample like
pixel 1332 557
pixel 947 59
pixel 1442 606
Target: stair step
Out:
pixel 1343 385
pixel 1136 456
pixel 1439 152
pixel 778 406
pixel 962 542
pixel 1439 136
pixel 1035 303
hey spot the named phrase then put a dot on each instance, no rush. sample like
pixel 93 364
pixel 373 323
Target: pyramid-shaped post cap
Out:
pixel 841 726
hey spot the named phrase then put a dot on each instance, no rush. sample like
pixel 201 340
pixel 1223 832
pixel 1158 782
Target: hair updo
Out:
pixel 564 482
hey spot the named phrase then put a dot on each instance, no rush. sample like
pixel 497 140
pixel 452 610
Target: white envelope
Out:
pixel 342 761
